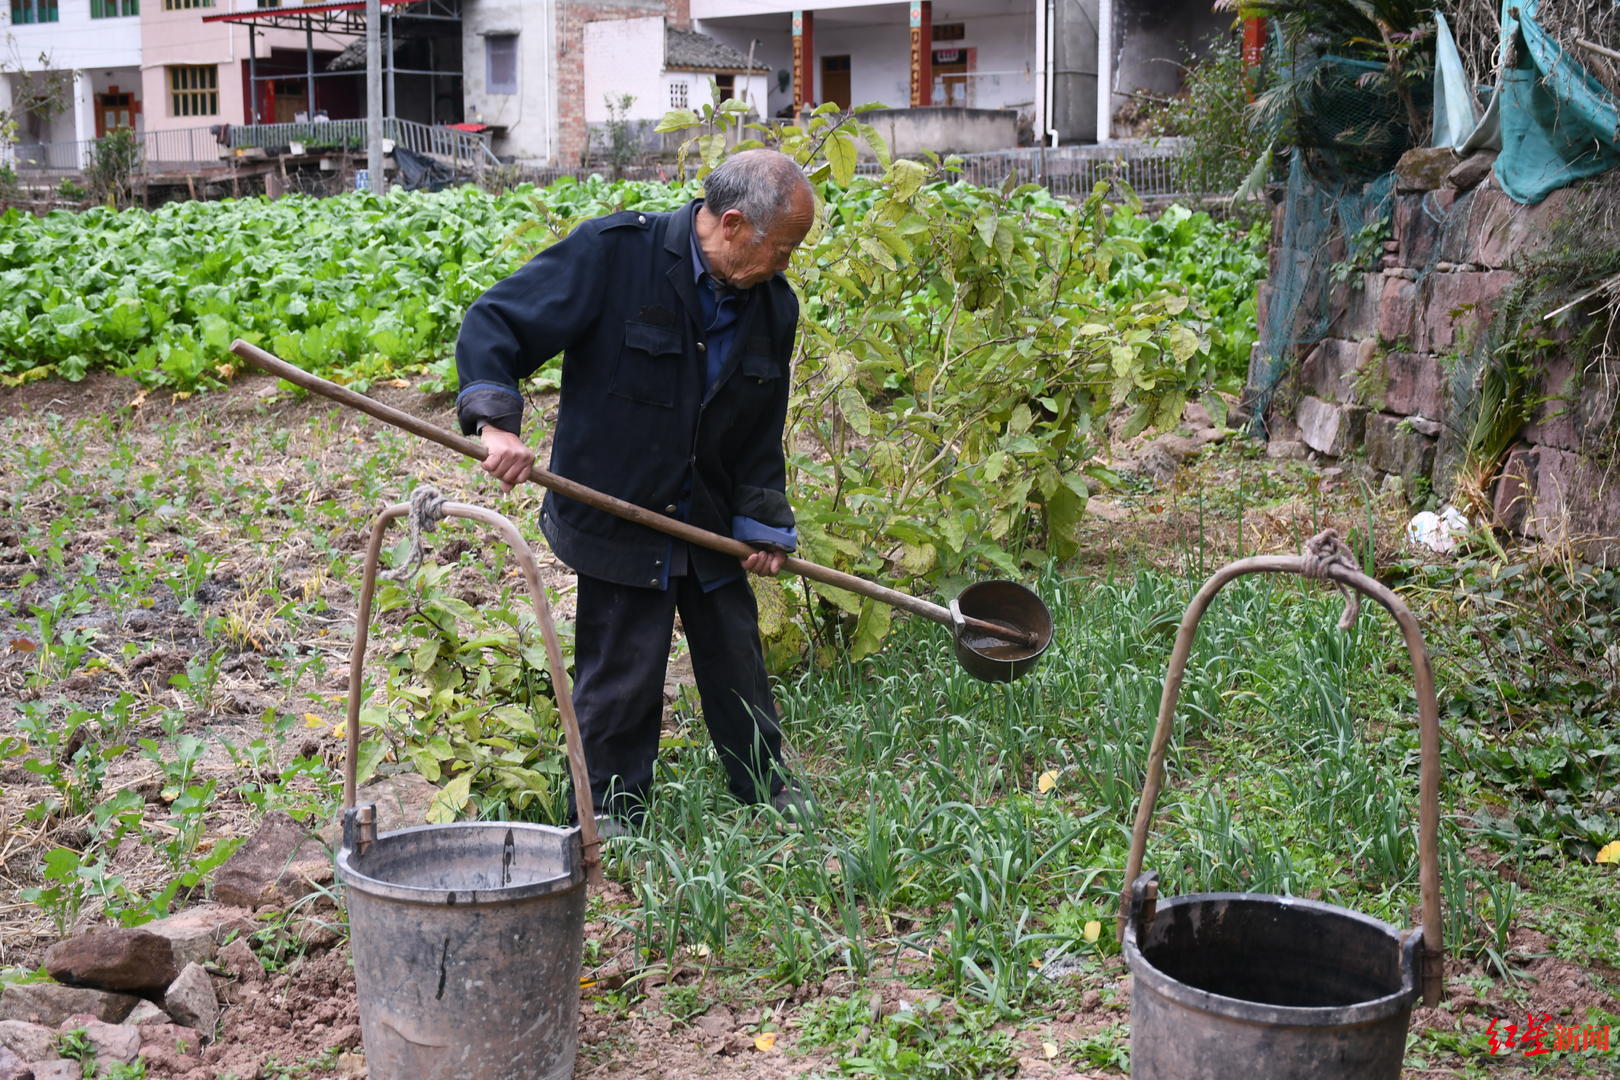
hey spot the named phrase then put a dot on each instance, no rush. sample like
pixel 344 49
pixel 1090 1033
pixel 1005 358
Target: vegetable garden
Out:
pixel 179 556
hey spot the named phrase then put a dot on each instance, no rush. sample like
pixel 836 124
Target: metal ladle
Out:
pixel 1000 628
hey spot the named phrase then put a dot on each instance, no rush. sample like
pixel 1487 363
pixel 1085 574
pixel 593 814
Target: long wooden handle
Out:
pixel 618 507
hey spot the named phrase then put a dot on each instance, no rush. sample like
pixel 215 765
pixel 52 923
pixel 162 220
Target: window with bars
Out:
pixel 182 5
pixel 193 90
pixel 501 64
pixel 680 95
pixel 33 11
pixel 111 9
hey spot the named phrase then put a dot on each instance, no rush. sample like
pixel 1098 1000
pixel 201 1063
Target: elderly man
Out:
pixel 676 331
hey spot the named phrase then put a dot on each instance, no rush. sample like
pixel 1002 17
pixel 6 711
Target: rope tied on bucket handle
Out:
pixel 427 510
pixel 1325 551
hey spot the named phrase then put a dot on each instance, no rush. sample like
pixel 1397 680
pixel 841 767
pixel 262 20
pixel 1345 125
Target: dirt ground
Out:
pixel 301 1021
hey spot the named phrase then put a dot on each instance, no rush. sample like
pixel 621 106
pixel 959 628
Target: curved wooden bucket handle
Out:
pixel 590 843
pixel 1346 576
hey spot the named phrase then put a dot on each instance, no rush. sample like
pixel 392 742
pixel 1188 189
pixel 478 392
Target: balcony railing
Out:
pixel 198 147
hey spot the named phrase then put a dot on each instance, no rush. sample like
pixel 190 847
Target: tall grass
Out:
pixel 937 854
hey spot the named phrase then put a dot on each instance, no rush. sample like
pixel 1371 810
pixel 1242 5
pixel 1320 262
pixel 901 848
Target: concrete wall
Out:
pixel 946 129
pixel 569 49
pixel 530 116
pixel 626 56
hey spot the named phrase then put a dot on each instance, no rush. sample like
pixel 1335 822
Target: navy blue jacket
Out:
pixel 617 299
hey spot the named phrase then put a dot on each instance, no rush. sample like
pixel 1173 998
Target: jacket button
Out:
pixel 658 562
pixel 641 219
pixel 702 347
pixel 653 582
pixel 671 509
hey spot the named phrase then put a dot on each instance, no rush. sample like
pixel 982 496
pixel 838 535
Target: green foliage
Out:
pixel 70 190
pixel 468 703
pixel 1534 653
pixel 113 161
pixel 355 288
pixel 929 1038
pixel 1217 265
pixel 619 142
pixel 1211 115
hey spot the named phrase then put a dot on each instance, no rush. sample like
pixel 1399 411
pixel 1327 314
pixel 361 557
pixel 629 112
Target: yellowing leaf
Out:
pixel 313 721
pixel 1048 780
pixel 451 798
pixel 1050 1049
pixel 765 1041
pixel 1092 931
pixel 1610 852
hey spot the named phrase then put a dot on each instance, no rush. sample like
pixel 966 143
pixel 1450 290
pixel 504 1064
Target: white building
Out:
pixel 1043 59
pixel 93 46
pixel 660 67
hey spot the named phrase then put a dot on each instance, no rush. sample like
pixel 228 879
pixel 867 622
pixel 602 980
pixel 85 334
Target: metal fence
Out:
pixel 195 148
pixel 464 147
pixel 158 151
pixel 1154 170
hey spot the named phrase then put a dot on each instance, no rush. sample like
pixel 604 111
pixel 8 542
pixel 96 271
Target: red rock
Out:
pixel 190 1000
pixel 239 959
pixel 114 1042
pixel 1397 309
pixel 31 1042
pixel 120 958
pixel 171 1037
pixel 13 1067
pixel 1415 383
pixel 279 864
pixel 196 933
pixel 51 1003
pixel 1329 370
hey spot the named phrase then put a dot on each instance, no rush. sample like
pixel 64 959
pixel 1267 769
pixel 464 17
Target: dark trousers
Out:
pixel 621 649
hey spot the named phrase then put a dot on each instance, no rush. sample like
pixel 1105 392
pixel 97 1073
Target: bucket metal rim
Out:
pixel 1362 1012
pixel 354 878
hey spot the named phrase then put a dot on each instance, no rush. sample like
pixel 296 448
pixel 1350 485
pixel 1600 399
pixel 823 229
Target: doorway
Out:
pixel 114 110
pixel 953 83
pixel 835 80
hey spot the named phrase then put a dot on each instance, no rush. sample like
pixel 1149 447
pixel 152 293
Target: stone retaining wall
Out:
pixel 1381 386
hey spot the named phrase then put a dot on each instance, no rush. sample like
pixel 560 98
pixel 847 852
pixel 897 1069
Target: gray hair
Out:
pixel 757 183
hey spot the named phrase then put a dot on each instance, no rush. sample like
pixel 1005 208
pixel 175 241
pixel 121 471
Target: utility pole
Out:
pixel 374 107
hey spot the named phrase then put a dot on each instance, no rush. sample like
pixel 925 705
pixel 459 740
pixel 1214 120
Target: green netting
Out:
pixel 1316 215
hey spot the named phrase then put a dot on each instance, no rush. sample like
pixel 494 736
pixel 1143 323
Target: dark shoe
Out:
pixel 793 801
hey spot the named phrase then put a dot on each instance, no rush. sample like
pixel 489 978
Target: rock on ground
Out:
pixel 114 959
pixel 31 1042
pixel 196 934
pixel 280 864
pixel 51 1003
pixel 60 1069
pixel 13 1067
pixel 111 1042
pixel 146 1013
pixel 191 1002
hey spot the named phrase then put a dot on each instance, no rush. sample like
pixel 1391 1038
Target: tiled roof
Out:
pixel 690 49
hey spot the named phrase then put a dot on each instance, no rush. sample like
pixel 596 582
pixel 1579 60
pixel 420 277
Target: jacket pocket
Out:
pixel 648 364
pixel 757 364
